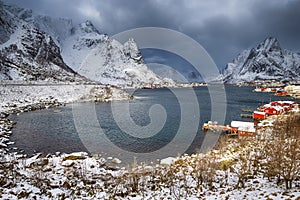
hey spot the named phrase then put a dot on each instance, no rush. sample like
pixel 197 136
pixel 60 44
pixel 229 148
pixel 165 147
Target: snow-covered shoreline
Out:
pixel 16 96
pixel 78 175
pixel 214 175
pixel 20 97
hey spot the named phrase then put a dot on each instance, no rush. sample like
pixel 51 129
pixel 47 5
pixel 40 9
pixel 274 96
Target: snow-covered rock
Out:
pixel 8 24
pixel 116 161
pixel 103 59
pixel 74 156
pixel 2 145
pixel 29 54
pixel 168 161
pixel 80 41
pixel 114 63
pixel 267 61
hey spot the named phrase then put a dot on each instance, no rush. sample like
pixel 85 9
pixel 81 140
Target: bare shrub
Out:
pixel 283 150
pixel 243 167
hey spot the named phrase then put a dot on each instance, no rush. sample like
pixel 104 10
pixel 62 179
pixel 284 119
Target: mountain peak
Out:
pixel 267 61
pixel 131 49
pixel 269 43
pixel 88 27
pixel 43 48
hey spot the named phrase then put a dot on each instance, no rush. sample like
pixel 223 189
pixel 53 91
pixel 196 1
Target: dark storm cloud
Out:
pixel 224 28
pixel 282 22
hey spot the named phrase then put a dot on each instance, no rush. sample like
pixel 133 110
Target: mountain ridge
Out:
pixel 75 45
pixel 266 61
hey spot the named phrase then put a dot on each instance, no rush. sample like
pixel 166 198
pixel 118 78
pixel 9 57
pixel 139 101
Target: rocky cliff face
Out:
pixel 8 24
pixel 267 61
pixel 29 54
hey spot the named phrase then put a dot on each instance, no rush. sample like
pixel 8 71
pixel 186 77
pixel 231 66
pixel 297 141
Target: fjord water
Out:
pixel 56 130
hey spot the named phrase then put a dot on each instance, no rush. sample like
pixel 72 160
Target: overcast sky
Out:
pixel 223 27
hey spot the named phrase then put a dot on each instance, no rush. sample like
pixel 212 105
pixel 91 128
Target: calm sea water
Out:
pixel 158 123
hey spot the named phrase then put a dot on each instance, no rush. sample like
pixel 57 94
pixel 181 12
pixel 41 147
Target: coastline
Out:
pixel 13 96
pixel 29 97
pixel 78 175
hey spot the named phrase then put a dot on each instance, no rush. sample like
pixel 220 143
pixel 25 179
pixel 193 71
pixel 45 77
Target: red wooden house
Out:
pixel 287 105
pixel 259 115
pixel 273 110
pixel 243 128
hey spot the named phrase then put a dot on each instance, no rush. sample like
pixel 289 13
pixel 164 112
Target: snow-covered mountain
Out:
pixel 81 47
pixel 93 54
pixel 103 59
pixel 267 61
pixel 29 54
pixel 182 76
pixel 167 72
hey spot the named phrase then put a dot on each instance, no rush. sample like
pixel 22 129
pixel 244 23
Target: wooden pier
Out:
pixel 246 113
pixel 245 110
pixel 246 116
pixel 215 127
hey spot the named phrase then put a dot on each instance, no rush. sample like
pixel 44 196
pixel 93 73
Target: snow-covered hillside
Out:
pixel 267 61
pixel 114 63
pixel 103 59
pixel 179 75
pixel 29 54
pixel 94 54
pixel 168 72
